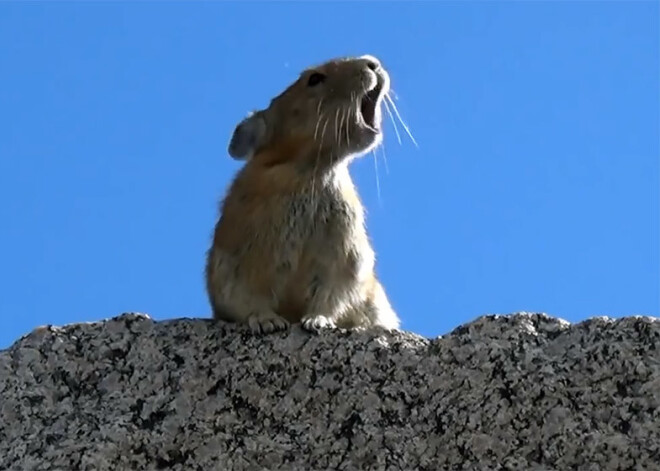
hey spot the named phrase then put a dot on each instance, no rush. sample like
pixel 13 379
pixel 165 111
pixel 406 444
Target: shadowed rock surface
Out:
pixel 520 392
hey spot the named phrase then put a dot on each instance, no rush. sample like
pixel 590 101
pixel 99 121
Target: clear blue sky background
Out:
pixel 535 185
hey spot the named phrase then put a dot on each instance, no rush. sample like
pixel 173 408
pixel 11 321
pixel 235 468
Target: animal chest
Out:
pixel 320 223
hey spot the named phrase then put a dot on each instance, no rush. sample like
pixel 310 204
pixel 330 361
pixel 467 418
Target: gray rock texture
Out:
pixel 520 392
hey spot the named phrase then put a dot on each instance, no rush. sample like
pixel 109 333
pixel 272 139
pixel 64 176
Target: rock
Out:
pixel 520 392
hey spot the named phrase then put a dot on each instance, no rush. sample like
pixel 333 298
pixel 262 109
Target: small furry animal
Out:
pixel 290 245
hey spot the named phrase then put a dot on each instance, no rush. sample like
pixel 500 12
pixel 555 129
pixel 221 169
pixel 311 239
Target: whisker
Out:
pixel 336 127
pixel 320 115
pixel 341 124
pixel 405 126
pixel 387 168
pixel 389 112
pixel 316 129
pixel 323 132
pixel 346 117
pixel 348 110
pixel 318 155
pixel 322 136
pixel 377 177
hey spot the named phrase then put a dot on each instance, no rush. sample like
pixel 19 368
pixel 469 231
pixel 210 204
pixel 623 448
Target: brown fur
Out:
pixel 290 245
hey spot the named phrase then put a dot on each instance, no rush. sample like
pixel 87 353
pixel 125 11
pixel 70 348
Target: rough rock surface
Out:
pixel 520 392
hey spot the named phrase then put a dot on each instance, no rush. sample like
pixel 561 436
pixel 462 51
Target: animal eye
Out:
pixel 315 79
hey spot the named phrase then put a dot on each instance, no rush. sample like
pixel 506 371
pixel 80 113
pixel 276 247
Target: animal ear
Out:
pixel 248 136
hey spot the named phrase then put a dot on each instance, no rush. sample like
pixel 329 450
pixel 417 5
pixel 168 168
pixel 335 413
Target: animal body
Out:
pixel 290 244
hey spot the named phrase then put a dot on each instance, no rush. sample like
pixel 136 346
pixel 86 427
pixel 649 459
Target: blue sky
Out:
pixel 534 187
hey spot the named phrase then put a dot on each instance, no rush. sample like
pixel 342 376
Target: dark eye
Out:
pixel 315 79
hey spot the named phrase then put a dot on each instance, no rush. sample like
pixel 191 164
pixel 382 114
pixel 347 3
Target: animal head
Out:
pixel 331 112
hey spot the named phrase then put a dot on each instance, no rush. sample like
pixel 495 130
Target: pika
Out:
pixel 290 245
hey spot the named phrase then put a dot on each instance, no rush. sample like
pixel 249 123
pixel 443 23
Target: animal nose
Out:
pixel 372 62
pixel 373 65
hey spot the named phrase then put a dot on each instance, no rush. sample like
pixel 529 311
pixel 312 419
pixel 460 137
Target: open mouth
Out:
pixel 369 104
